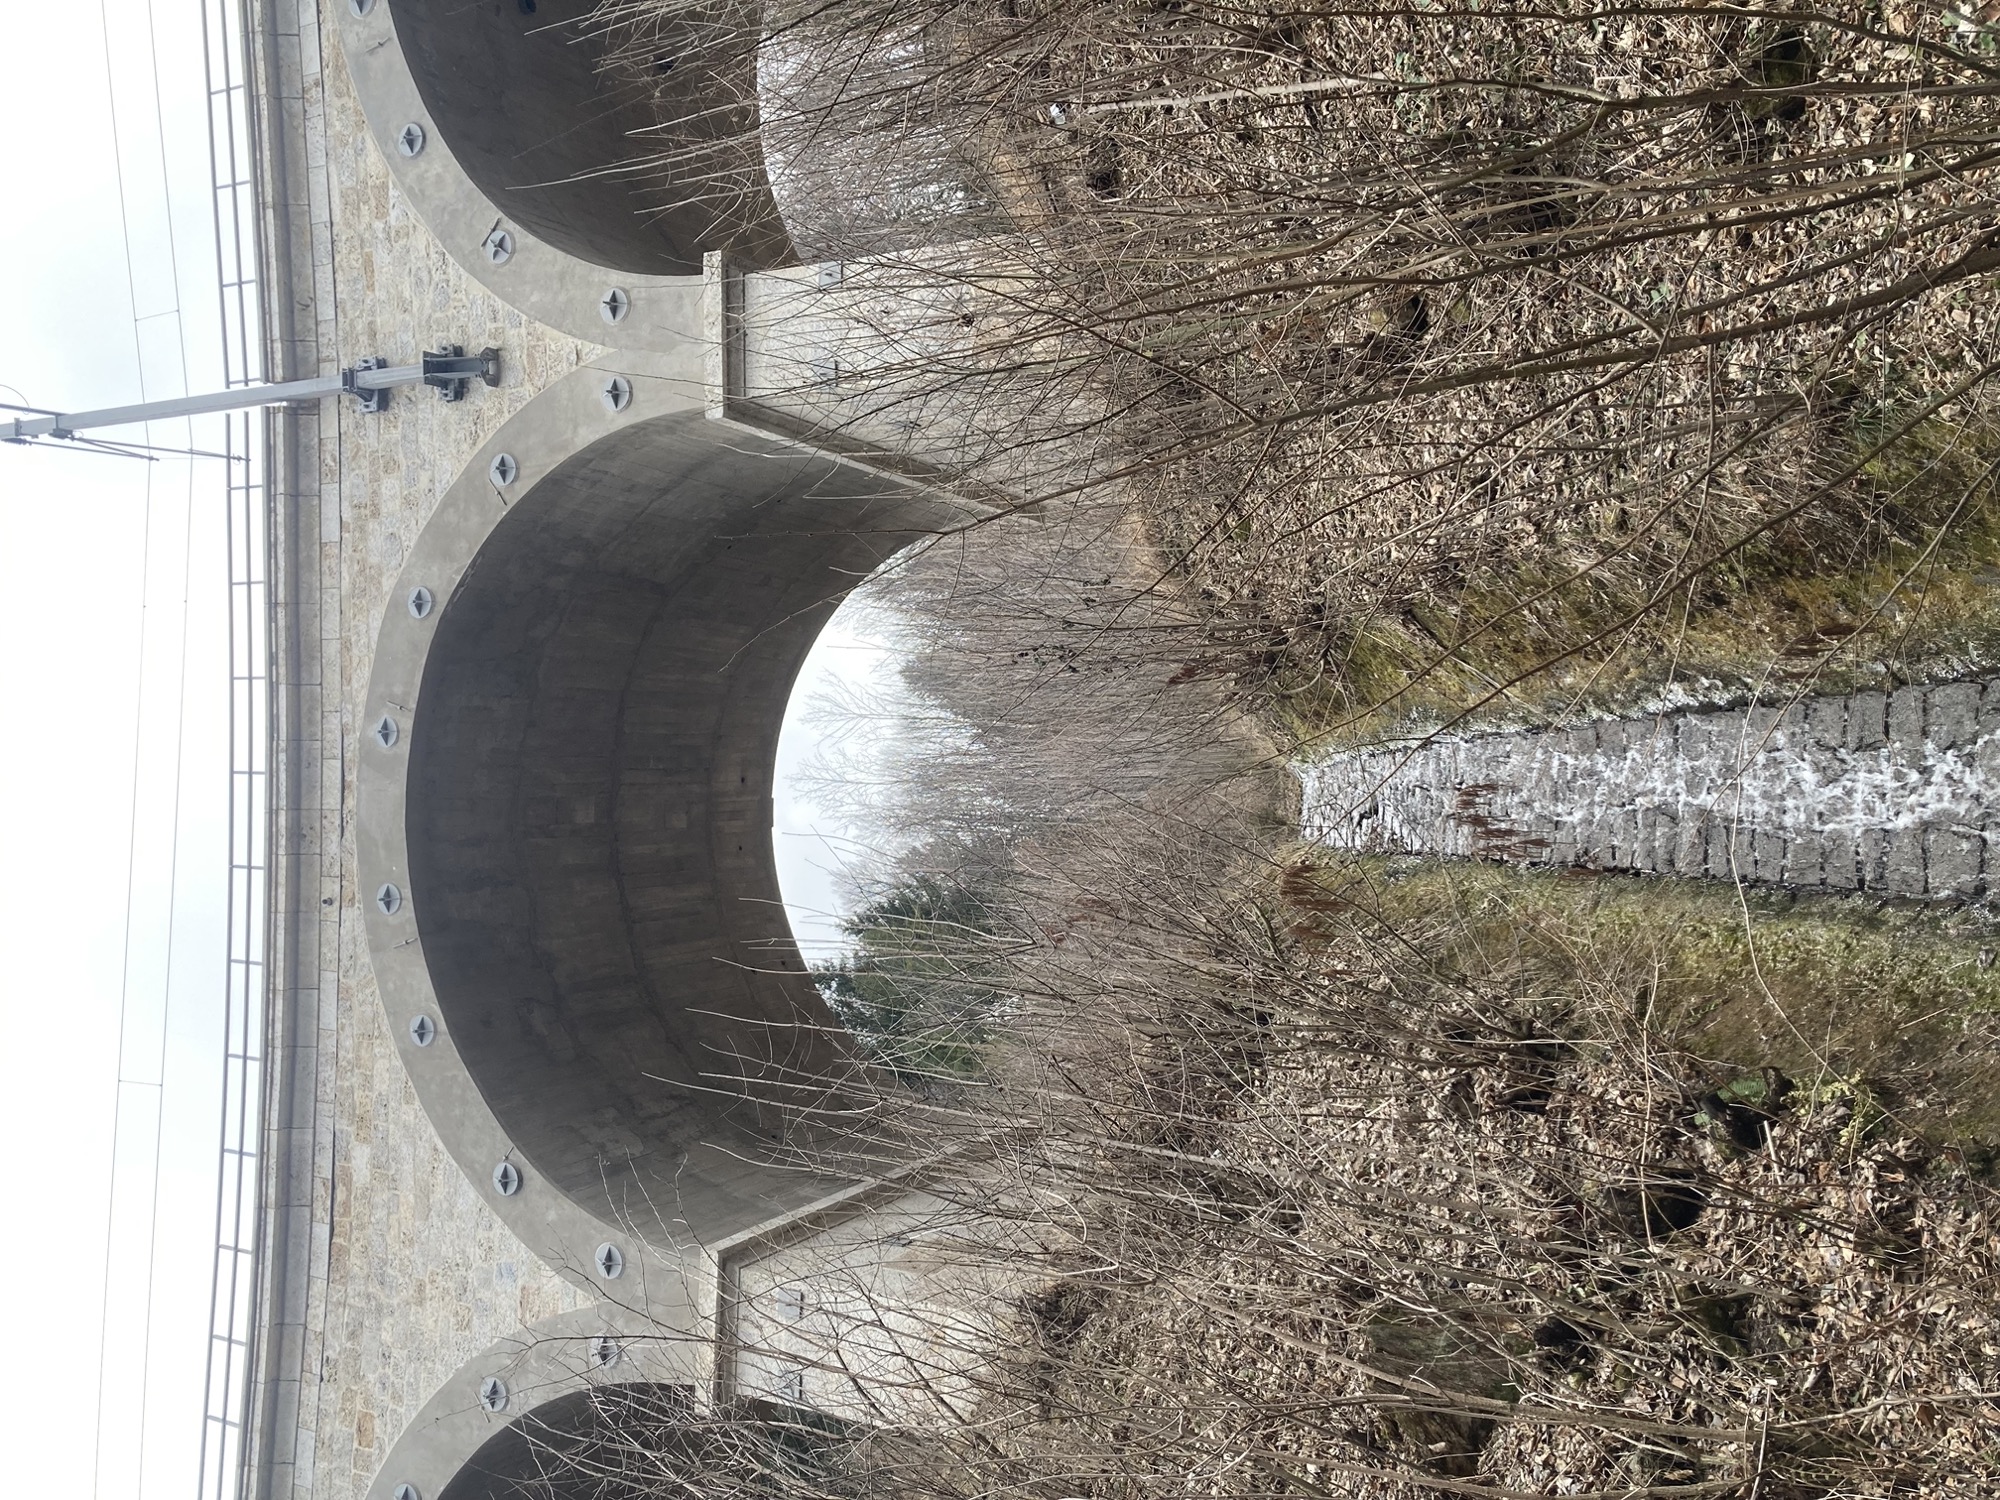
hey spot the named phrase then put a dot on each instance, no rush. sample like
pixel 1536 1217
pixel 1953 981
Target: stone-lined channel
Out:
pixel 1890 792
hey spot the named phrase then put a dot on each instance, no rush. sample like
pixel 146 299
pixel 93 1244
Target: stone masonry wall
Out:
pixel 419 1274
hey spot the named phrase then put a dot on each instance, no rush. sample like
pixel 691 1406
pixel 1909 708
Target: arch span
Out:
pixel 575 1445
pixel 638 165
pixel 470 1438
pixel 581 822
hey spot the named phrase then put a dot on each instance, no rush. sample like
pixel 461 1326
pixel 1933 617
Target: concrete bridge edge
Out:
pixel 593 1348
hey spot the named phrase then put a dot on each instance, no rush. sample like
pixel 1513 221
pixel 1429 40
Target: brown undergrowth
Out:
pixel 1368 1181
pixel 1451 1183
pixel 1463 361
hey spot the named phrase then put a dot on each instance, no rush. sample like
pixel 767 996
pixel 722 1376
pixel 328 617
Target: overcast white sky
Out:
pixel 113 767
pixel 854 661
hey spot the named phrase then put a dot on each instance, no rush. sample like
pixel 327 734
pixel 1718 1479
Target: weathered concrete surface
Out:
pixel 539 121
pixel 1897 793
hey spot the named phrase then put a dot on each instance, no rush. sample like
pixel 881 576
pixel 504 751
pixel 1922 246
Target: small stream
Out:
pixel 1891 792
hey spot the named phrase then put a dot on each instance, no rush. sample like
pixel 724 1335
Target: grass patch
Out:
pixel 1889 1002
pixel 1894 584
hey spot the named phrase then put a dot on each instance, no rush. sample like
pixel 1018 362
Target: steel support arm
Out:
pixel 369 380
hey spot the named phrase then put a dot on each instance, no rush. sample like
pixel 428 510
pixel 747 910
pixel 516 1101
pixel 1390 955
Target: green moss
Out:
pixel 1863 1004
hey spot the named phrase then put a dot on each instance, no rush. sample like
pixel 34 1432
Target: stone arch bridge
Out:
pixel 530 987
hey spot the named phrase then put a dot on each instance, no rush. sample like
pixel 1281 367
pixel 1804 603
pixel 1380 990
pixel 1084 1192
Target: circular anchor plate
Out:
pixel 407 1492
pixel 422 602
pixel 614 304
pixel 387 732
pixel 423 1031
pixel 389 899
pixel 503 471
pixel 493 1393
pixel 361 8
pixel 507 1179
pixel 610 1261
pixel 499 246
pixel 616 393
pixel 410 139
pixel 605 1352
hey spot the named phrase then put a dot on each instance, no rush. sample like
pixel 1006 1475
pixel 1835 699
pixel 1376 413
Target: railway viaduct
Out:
pixel 530 989
pixel 537 1028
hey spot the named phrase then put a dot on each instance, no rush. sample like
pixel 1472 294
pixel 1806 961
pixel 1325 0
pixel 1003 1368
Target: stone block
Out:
pixel 1652 835
pixel 1723 855
pixel 1691 736
pixel 1795 725
pixel 1867 721
pixel 1869 845
pixel 1804 866
pixel 1903 862
pixel 1760 729
pixel 1906 716
pixel 1690 849
pixel 1952 864
pixel 1951 715
pixel 1840 868
pixel 1987 749
pixel 1768 855
pixel 1727 745
pixel 1618 833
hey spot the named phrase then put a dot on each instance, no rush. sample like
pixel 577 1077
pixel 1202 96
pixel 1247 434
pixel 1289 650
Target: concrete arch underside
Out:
pixel 590 813
pixel 514 1409
pixel 575 809
pixel 639 162
pixel 573 1445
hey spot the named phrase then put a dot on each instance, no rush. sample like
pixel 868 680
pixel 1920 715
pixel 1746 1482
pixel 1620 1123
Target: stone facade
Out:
pixel 410 1273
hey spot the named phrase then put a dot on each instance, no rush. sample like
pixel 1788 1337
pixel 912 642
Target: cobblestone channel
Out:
pixel 1889 792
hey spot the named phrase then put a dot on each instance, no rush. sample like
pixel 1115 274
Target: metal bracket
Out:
pixel 452 370
pixel 372 398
